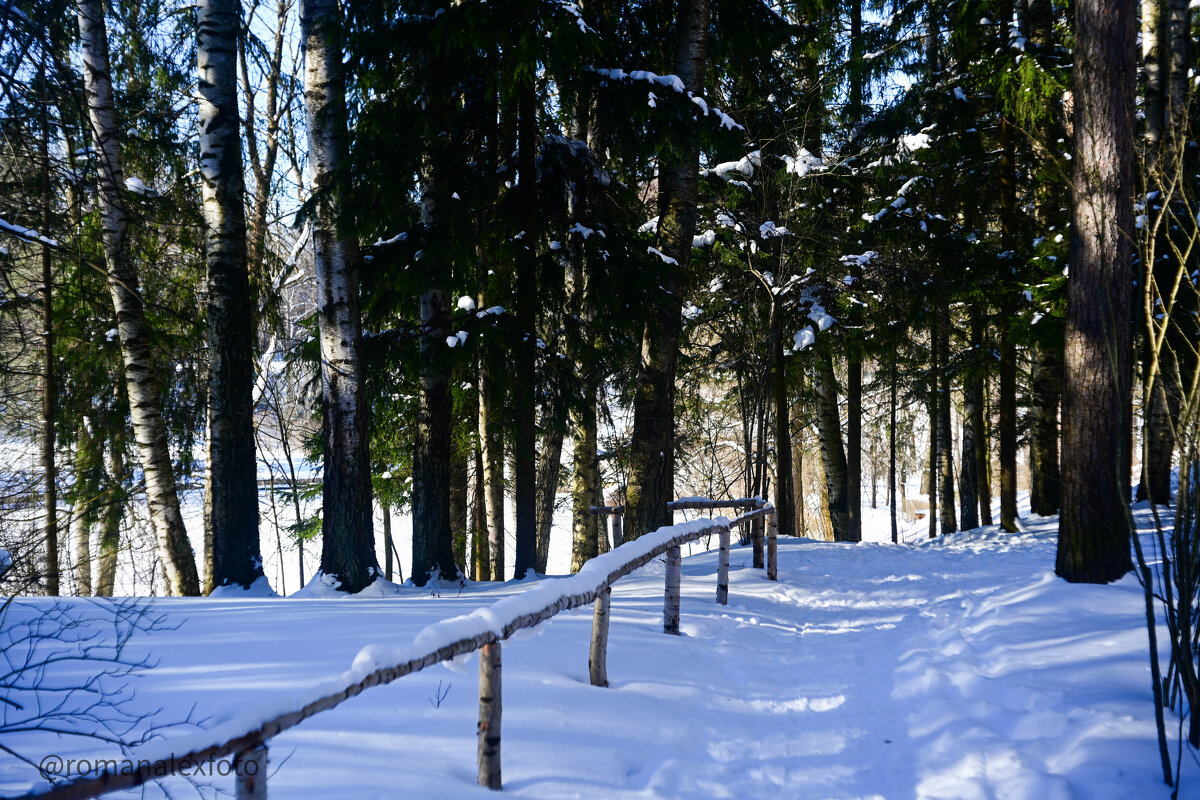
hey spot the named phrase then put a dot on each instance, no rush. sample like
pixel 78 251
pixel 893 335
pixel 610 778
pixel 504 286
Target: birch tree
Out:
pixel 348 538
pixel 143 382
pixel 231 496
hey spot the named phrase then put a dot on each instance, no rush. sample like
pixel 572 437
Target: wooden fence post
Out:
pixel 618 530
pixel 773 547
pixel 250 773
pixel 723 569
pixel 756 539
pixel 490 703
pixel 598 657
pixel 671 599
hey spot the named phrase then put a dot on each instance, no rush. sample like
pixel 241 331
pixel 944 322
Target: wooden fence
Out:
pixel 483 630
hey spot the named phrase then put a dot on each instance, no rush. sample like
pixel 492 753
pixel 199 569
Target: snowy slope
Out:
pixel 958 668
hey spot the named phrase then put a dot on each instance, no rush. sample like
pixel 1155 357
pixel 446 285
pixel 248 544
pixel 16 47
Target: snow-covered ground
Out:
pixel 954 668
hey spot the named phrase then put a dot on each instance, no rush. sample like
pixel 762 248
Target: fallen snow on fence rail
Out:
pixel 956 668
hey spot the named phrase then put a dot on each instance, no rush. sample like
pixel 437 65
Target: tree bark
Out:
pixel 931 475
pixel 784 491
pixel 49 378
pixel 1094 537
pixel 550 462
pixel 892 501
pixel 231 480
pixel 652 445
pixel 479 570
pixel 968 477
pixel 459 478
pixel 984 455
pixel 1044 491
pixel 143 381
pixel 945 437
pixel 525 355
pixel 833 457
pixel 347 534
pixel 85 489
pixel 114 511
pixel 433 547
pixel 491 398
pixel 854 447
pixel 587 528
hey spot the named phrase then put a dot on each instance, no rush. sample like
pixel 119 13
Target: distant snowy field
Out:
pixel 956 668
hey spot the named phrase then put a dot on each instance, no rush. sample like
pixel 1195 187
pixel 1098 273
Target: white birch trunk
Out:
pixel 346 530
pixel 141 377
pixel 231 482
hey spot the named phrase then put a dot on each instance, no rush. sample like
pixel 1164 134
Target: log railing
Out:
pixel 482 630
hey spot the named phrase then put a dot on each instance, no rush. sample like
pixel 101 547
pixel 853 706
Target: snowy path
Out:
pixel 955 669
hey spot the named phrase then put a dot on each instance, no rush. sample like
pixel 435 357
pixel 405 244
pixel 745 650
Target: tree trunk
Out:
pixel 1093 539
pixel 433 547
pixel 491 398
pixel 547 481
pixel 347 534
pixel 652 444
pixel 833 457
pixel 388 548
pixel 459 479
pixel 983 452
pixel 231 480
pixel 113 512
pixel 798 492
pixel 854 447
pixel 784 491
pixel 49 379
pixel 479 543
pixel 931 475
pixel 945 437
pixel 1044 494
pixel 968 477
pixel 142 378
pixel 525 355
pixel 892 501
pixel 85 490
pixel 586 491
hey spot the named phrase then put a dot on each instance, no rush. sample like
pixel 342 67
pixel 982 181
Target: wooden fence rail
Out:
pixel 482 630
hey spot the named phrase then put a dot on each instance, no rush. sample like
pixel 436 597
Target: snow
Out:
pixel 860 260
pixel 953 668
pixel 26 233
pixel 466 303
pixel 768 230
pixel 915 142
pixel 260 588
pixel 818 315
pixel 706 239
pixel 803 163
pixel 666 259
pixel 803 339
pixel 135 184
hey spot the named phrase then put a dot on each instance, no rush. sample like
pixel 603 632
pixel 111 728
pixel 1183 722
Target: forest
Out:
pixel 316 297
pixel 308 261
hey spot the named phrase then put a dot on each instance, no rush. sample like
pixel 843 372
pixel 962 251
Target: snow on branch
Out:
pixel 28 234
pixel 673 82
